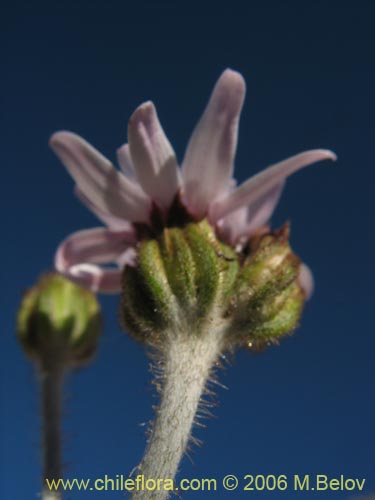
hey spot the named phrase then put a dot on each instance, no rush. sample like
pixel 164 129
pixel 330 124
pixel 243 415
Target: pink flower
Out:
pixel 151 191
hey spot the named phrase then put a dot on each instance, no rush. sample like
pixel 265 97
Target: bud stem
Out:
pixel 51 380
pixel 187 361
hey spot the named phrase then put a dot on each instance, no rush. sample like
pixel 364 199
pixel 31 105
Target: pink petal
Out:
pixel 208 162
pixel 154 159
pixel 232 226
pixel 243 222
pixel 78 257
pixel 306 280
pixel 125 161
pixel 257 186
pixel 109 220
pixel 95 278
pixel 98 180
pixel 127 258
pixel 260 212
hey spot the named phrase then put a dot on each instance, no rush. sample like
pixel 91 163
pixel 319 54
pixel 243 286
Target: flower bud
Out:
pixel 59 322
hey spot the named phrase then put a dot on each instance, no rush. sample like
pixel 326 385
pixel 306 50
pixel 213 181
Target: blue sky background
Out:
pixel 304 407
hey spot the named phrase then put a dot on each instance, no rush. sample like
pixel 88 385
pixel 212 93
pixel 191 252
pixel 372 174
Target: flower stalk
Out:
pixel 51 381
pixel 186 363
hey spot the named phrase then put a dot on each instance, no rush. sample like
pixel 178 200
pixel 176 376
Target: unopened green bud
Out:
pixel 186 280
pixel 58 321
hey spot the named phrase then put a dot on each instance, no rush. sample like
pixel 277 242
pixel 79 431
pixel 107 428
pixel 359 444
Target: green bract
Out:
pixel 186 279
pixel 59 320
pixel 267 299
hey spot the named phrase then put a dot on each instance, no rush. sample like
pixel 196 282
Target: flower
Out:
pixel 151 191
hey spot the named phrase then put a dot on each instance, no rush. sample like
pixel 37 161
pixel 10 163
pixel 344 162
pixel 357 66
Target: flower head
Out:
pixel 152 192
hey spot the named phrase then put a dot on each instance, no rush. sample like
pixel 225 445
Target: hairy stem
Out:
pixel 187 362
pixel 51 384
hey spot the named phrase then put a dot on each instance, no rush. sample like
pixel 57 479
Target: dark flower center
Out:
pixel 177 216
